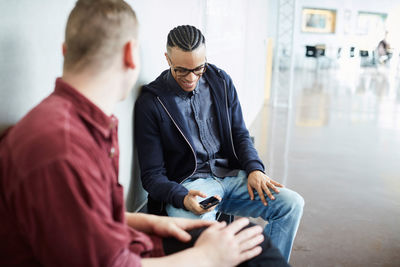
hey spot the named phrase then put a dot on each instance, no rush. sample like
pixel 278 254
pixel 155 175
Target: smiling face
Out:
pixel 181 61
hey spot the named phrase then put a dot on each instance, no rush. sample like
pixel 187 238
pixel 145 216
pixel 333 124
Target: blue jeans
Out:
pixel 283 214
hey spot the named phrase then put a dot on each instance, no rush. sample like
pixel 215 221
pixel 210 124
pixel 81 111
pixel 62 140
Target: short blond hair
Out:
pixel 96 31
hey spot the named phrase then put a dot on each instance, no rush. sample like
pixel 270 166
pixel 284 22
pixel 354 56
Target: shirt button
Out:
pixel 112 123
pixel 112 152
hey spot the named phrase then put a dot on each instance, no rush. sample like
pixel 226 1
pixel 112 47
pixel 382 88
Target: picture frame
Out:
pixel 370 22
pixel 317 20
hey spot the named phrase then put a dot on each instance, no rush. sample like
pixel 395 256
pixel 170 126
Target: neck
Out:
pixel 100 88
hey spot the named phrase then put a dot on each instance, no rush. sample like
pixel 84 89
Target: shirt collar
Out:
pixel 175 87
pixel 87 109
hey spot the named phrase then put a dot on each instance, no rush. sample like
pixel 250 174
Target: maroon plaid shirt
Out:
pixel 60 200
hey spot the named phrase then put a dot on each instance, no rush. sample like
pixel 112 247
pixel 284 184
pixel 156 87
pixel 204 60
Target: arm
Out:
pixel 219 245
pixel 64 214
pixel 248 157
pixel 151 155
pixel 164 226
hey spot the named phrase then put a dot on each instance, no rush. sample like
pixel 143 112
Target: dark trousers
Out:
pixel 270 255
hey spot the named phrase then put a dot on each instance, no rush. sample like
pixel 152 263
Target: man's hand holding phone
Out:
pixel 209 202
pixel 191 203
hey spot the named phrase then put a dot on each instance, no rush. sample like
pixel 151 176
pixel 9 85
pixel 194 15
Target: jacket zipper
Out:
pixel 229 122
pixel 187 141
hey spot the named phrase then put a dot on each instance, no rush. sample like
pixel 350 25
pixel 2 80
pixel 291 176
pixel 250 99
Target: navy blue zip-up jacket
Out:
pixel 165 149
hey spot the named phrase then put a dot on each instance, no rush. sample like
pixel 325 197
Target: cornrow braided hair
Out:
pixel 186 37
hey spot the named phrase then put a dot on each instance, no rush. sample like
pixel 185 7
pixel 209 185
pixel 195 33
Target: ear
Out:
pixel 64 49
pixel 129 59
pixel 167 58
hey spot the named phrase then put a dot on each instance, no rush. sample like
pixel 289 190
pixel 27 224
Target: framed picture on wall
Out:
pixel 371 23
pixel 316 20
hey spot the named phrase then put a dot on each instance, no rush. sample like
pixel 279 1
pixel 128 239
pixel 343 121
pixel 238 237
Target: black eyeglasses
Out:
pixel 182 72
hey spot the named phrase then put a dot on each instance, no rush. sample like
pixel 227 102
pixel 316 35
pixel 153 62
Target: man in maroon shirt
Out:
pixel 60 200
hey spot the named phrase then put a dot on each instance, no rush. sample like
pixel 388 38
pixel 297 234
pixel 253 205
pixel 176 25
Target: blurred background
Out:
pixel 318 81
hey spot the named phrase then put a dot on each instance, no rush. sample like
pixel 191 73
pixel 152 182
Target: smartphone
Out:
pixel 209 202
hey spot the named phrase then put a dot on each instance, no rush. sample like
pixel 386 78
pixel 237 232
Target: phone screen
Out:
pixel 209 202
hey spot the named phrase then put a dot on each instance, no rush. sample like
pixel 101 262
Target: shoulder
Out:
pixel 145 96
pixel 215 70
pixel 154 88
pixel 146 103
pixel 47 133
pixel 148 99
pixel 217 76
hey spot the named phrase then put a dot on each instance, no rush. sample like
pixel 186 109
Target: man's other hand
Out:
pixel 164 226
pixel 176 227
pixel 261 183
pixel 230 245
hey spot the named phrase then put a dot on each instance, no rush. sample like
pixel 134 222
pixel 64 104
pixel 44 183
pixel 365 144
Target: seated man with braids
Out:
pixel 193 143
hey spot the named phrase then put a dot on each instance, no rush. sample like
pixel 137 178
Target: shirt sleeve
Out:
pixel 65 213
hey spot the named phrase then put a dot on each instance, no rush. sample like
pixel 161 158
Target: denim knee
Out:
pixel 293 202
pixel 298 202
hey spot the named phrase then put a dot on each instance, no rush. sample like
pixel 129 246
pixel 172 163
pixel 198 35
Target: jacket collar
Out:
pixel 161 89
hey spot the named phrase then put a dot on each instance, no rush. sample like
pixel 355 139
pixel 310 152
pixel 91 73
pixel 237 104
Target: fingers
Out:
pixel 190 202
pixel 274 188
pixel 276 184
pixel 264 186
pixel 189 224
pixel 271 184
pixel 218 197
pixel 259 189
pixel 195 206
pixel 194 193
pixel 208 210
pixel 249 254
pixel 250 237
pixel 251 193
pixel 249 233
pixel 177 227
pixel 249 240
pixel 179 233
pixel 266 190
pixel 252 242
pixel 197 209
pixel 200 223
pixel 261 195
pixel 237 225
pixel 200 210
pixel 216 226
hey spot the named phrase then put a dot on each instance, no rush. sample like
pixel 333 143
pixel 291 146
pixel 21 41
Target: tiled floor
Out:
pixel 339 147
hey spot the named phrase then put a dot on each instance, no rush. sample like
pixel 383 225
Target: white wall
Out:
pixel 30 55
pixel 236 41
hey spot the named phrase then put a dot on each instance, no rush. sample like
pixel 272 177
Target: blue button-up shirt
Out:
pixel 198 109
